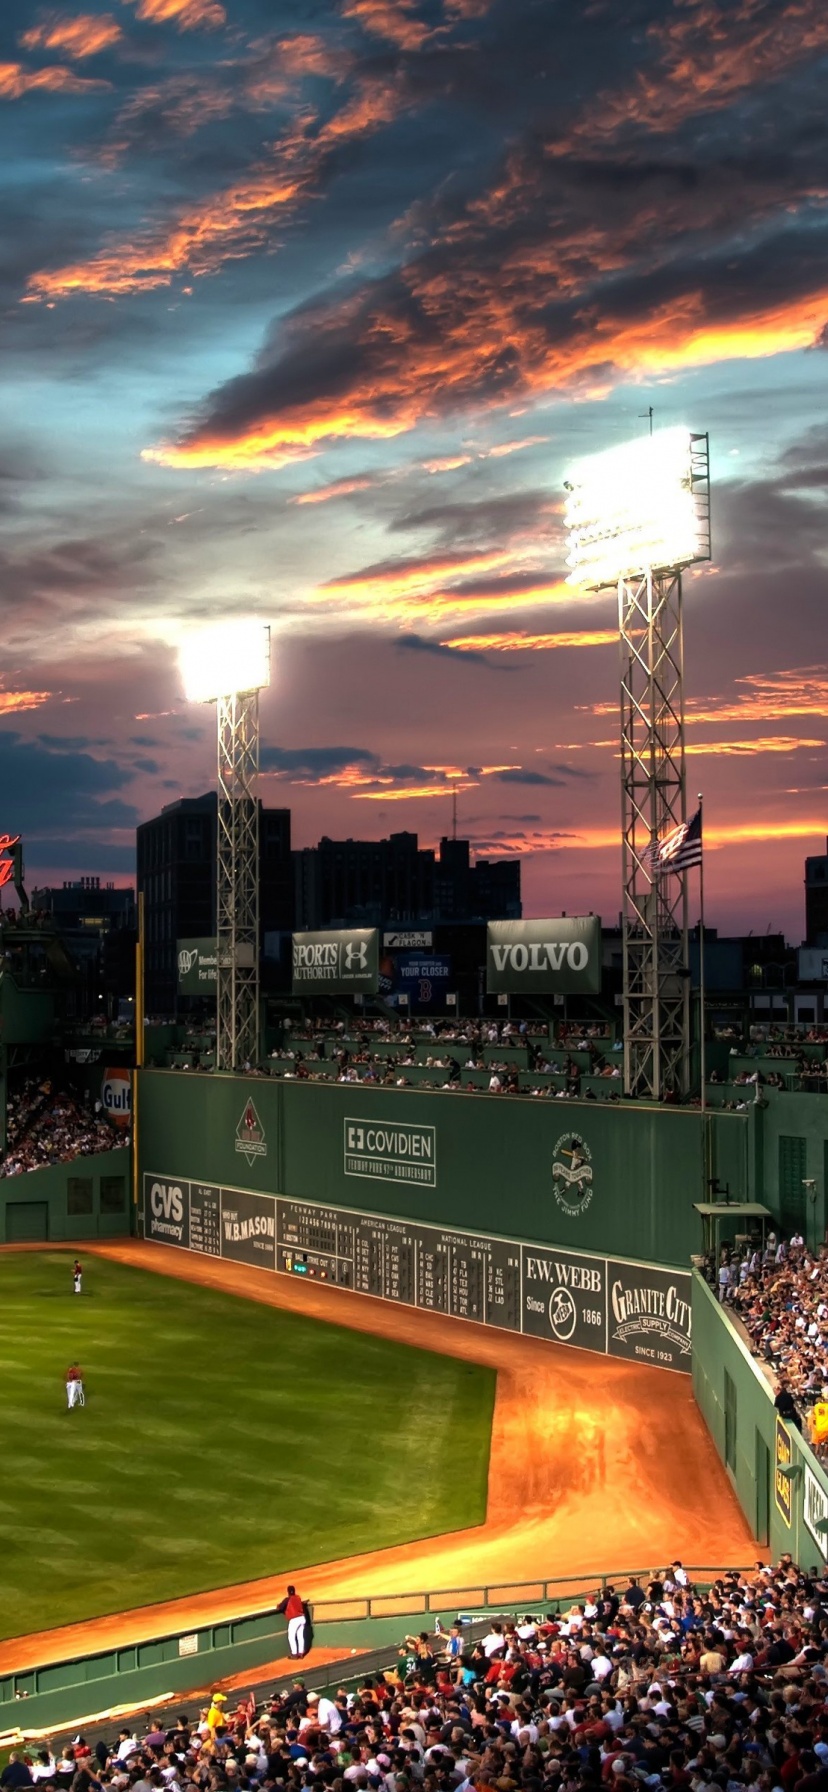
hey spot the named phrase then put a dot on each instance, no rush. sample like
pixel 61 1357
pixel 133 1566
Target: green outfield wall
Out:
pixel 570 1221
pixel 89 1197
pixel 736 1397
pixel 491 1159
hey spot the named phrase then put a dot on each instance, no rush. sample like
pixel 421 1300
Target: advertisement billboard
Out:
pixel 116 1096
pixel 197 960
pixel 783 1459
pixel 648 1314
pixel 424 978
pixel 564 1297
pixel 537 958
pixel 343 962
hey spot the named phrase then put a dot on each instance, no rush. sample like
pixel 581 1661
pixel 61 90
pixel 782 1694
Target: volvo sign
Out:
pixel 557 957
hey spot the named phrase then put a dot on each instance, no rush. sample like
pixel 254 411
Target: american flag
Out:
pixel 679 850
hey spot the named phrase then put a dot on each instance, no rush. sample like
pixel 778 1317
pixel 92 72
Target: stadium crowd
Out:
pixel 780 1294
pixel 46 1125
pixel 657 1684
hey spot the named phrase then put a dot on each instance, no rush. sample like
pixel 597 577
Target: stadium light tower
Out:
pixel 229 664
pixel 636 516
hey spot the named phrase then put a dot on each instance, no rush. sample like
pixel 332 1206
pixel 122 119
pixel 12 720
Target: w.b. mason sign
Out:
pixel 558 957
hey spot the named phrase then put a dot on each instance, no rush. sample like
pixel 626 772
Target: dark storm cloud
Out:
pixel 499 516
pixel 314 762
pixel 517 775
pixel 45 790
pixel 358 364
pixel 73 854
pixel 413 643
pixel 72 743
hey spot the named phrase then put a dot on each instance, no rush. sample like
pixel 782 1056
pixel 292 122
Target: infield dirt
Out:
pixel 596 1464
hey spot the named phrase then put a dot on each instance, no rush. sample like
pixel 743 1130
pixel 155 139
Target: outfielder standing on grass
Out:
pixel 74 1387
pixel 77 1277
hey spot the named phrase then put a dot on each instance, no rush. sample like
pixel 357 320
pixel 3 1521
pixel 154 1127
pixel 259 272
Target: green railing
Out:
pixel 494 1595
pixel 143 1673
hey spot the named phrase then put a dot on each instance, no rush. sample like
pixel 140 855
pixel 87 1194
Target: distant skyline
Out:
pixel 307 305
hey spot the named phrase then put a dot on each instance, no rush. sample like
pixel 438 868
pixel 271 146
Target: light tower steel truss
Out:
pixel 237 889
pixel 637 515
pixel 654 917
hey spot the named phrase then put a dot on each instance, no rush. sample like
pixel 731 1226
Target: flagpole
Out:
pixel 702 1054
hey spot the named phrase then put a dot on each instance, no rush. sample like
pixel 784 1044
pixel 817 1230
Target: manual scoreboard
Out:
pixel 640 1311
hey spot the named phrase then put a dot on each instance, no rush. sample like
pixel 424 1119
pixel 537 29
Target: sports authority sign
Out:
pixel 392 1153
pixel 344 962
pixel 558 957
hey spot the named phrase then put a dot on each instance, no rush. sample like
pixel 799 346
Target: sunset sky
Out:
pixel 307 306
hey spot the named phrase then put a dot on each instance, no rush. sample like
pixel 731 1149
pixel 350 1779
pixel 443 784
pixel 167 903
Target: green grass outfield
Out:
pixel 221 1440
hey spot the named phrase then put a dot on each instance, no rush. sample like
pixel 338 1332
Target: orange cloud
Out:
pixel 11 701
pixel 227 226
pixel 85 35
pixel 187 15
pixel 395 373
pixel 389 19
pixel 339 488
pixel 745 749
pixel 15 81
pixel 402 795
pixel 707 54
pixel 511 839
pixel 521 643
pixel 503 448
pixel 441 590
pixel 447 463
pixel 768 698
pixel 763 697
pixel 404 578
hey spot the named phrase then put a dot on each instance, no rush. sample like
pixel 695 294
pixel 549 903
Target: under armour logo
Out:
pixel 356 955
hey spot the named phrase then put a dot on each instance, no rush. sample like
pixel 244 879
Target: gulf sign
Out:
pixel 116 1096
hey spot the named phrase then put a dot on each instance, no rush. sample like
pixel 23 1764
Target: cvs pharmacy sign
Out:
pixel 166 1210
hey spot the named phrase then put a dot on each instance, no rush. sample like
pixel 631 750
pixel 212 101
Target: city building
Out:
pixel 816 899
pixel 397 882
pixel 177 877
pixel 95 925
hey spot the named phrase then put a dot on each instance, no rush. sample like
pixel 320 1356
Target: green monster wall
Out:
pixel 736 1400
pixel 489 1163
pixel 89 1197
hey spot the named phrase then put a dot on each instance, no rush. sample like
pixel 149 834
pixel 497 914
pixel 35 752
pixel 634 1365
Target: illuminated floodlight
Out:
pixel 643 507
pixel 224 659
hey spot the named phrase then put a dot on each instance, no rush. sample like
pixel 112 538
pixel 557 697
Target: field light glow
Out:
pixel 226 657
pixel 633 509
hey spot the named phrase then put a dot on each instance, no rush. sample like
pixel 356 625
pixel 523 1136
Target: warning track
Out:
pixel 596 1464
